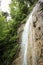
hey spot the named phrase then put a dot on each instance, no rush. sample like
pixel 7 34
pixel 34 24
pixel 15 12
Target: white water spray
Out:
pixel 25 41
pixel 25 35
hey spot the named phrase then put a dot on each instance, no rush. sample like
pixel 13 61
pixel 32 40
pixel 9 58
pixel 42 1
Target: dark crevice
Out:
pixel 34 24
pixel 39 28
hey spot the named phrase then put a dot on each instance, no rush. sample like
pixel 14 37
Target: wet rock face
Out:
pixel 38 35
pixel 35 47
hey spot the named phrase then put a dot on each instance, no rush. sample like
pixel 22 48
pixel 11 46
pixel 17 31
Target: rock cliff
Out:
pixel 37 32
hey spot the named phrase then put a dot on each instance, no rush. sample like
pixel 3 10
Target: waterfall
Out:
pixel 28 29
pixel 25 40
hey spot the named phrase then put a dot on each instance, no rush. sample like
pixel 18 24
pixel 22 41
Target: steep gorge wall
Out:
pixel 37 32
pixel 37 44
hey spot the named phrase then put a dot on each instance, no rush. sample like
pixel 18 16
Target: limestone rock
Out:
pixel 37 32
pixel 34 51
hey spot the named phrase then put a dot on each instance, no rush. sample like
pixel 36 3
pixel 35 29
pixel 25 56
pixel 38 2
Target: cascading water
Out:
pixel 25 35
pixel 25 41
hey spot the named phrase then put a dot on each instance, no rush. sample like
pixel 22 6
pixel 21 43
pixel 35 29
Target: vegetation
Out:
pixel 9 39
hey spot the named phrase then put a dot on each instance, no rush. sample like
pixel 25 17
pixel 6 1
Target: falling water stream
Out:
pixel 25 35
pixel 25 40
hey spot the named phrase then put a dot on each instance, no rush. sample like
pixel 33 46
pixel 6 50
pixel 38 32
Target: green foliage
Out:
pixel 9 39
pixel 2 26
